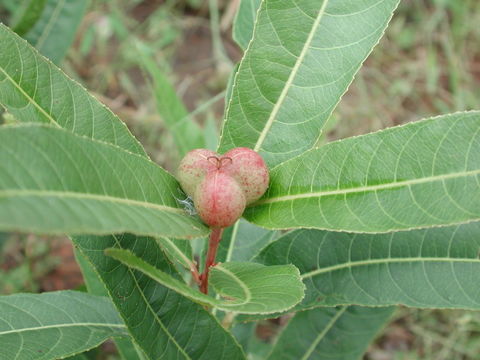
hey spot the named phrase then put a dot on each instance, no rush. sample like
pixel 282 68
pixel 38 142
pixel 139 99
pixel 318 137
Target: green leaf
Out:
pixel 422 174
pixel 431 268
pixel 186 133
pixel 128 350
pixel 148 308
pixel 111 130
pixel 243 24
pixel 27 16
pixel 55 325
pixel 330 333
pixel 95 286
pixel 210 133
pixel 178 251
pixel 34 90
pixel 55 182
pixel 92 281
pixel 55 30
pixel 79 357
pixel 243 241
pixel 244 333
pixel 163 323
pixel 247 287
pixel 229 89
pixel 301 60
pixel 256 288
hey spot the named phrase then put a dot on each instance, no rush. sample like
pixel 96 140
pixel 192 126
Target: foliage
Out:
pixel 373 221
pixel 55 324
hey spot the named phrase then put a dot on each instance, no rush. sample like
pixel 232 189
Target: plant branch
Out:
pixel 215 238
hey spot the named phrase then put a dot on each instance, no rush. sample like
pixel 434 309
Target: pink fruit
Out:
pixel 219 200
pixel 222 185
pixel 193 168
pixel 250 171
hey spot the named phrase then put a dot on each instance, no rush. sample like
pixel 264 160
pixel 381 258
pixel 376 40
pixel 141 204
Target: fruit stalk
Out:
pixel 215 238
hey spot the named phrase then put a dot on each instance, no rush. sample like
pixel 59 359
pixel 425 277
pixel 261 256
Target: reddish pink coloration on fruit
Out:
pixel 193 168
pixel 219 199
pixel 250 171
pixel 222 185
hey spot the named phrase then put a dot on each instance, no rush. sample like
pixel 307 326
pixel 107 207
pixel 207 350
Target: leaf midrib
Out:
pixel 30 99
pixel 48 27
pixel 389 260
pixel 179 252
pixel 324 332
pixel 87 196
pixel 367 188
pixel 38 328
pixel 149 306
pixel 291 77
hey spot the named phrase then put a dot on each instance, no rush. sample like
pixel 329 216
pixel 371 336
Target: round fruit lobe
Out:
pixel 219 199
pixel 193 168
pixel 250 171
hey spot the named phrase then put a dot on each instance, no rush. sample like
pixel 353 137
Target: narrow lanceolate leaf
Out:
pixel 92 281
pixel 247 288
pixel 128 350
pixel 229 90
pixel 95 286
pixel 431 268
pixel 302 58
pixel 163 323
pixel 330 333
pixel 55 325
pixel 422 174
pixel 243 241
pixel 34 90
pixel 55 29
pixel 55 182
pixel 178 250
pixel 26 17
pixel 244 22
pixel 85 115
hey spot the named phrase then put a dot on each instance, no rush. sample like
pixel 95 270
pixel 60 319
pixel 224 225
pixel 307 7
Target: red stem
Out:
pixel 215 237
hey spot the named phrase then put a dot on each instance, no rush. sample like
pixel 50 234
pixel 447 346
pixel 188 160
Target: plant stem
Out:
pixel 215 237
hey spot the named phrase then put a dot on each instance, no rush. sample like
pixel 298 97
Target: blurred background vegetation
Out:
pixel 154 62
